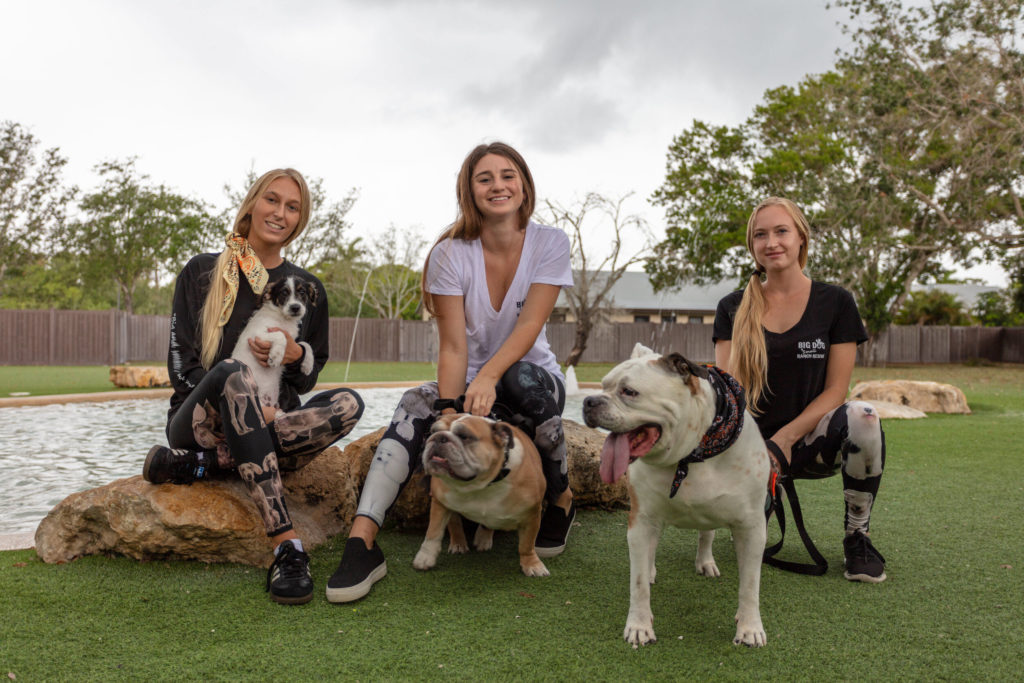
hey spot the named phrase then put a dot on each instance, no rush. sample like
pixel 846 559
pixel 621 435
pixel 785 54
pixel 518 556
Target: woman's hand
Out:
pixel 480 395
pixel 785 444
pixel 261 348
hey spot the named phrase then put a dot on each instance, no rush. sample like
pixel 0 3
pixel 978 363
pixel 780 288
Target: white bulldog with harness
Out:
pixel 696 460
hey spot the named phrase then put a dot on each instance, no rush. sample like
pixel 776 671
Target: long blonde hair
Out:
pixel 748 358
pixel 470 220
pixel 210 328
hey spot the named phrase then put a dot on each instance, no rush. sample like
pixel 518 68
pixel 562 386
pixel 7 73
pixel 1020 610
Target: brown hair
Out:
pixel 211 331
pixel 470 221
pixel 748 358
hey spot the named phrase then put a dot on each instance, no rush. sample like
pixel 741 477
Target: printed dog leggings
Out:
pixel 526 389
pixel 222 415
pixel 854 431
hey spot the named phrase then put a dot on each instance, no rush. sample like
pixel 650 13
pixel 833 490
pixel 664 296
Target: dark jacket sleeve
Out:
pixel 317 335
pixel 183 363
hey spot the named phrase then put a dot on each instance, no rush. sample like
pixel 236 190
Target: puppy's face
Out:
pixel 641 399
pixel 466 448
pixel 291 295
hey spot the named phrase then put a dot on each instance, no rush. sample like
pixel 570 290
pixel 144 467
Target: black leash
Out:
pixel 780 477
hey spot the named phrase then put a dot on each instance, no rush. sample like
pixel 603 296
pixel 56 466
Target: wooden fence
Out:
pixel 112 337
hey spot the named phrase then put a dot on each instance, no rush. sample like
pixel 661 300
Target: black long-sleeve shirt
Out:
pixel 183 354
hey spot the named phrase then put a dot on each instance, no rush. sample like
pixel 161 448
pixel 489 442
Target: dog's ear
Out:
pixel 268 292
pixel 502 434
pixel 675 362
pixel 639 351
pixel 310 291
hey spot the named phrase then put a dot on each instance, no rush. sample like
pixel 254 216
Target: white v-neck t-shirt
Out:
pixel 456 268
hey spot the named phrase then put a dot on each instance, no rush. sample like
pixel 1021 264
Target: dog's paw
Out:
pixel 708 568
pixel 483 539
pixel 638 633
pixel 751 635
pixel 535 569
pixel 460 548
pixel 424 561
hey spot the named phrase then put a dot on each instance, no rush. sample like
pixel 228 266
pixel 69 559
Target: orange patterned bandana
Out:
pixel 246 260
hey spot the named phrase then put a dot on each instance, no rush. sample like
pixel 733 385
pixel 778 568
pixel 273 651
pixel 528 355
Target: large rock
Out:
pixel 928 397
pixel 139 376
pixel 216 521
pixel 895 411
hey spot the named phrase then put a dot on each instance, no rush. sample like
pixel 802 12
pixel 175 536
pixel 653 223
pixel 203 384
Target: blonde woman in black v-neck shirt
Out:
pixel 791 342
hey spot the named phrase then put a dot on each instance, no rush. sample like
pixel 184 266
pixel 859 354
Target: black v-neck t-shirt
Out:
pixel 798 357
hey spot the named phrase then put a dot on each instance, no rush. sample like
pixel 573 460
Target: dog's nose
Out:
pixel 591 402
pixel 294 309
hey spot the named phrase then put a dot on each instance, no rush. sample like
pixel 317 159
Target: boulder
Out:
pixel 139 376
pixel 214 520
pixel 928 397
pixel 895 411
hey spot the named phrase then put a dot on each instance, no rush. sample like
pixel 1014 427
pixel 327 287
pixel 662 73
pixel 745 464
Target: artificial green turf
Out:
pixel 947 519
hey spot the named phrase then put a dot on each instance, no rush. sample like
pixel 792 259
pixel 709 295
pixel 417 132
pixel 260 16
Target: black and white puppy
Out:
pixel 283 305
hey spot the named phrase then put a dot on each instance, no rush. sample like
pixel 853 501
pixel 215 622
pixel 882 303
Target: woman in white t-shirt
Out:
pixel 491 281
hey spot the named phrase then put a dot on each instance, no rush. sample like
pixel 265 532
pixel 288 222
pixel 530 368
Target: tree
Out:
pixel 392 287
pixel 130 229
pixel 324 238
pixel 33 201
pixel 589 299
pixel 932 307
pixel 908 153
pixel 996 309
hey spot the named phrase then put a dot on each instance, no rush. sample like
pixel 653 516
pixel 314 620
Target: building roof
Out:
pixel 967 294
pixel 633 292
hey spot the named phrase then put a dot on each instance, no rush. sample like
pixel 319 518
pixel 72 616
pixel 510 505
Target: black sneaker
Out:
pixel 288 578
pixel 554 530
pixel 358 571
pixel 863 562
pixel 174 465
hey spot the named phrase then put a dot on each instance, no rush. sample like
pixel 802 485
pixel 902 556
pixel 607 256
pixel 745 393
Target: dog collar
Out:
pixel 503 472
pixel 725 427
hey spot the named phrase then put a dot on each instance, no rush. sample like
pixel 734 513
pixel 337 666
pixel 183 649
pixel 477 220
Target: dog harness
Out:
pixel 725 427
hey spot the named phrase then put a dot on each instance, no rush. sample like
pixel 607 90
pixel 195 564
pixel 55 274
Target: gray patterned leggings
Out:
pixel 526 389
pixel 850 439
pixel 222 415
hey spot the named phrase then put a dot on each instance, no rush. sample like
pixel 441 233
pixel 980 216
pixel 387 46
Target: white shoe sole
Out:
pixel 361 589
pixel 866 578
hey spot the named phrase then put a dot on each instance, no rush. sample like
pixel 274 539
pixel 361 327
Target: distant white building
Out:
pixel 634 300
pixel 966 294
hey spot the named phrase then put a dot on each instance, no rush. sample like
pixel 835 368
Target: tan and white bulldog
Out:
pixel 488 472
pixel 662 410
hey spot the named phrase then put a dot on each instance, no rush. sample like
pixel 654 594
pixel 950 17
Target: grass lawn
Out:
pixel 947 519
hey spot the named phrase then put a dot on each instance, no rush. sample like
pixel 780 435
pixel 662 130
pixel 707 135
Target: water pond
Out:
pixel 50 452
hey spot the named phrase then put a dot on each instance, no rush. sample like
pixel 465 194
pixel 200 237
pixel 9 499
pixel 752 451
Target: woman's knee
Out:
pixel 228 367
pixel 865 449
pixel 417 402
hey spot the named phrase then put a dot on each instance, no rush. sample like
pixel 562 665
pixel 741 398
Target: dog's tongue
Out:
pixel 614 457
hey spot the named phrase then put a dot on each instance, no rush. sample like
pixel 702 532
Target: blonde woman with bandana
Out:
pixel 216 423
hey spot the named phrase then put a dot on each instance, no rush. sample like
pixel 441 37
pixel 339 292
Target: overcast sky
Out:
pixel 388 96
